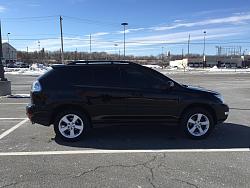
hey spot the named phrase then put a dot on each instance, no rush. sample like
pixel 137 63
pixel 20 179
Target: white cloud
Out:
pixel 2 8
pixel 34 5
pixel 100 34
pixel 131 30
pixel 101 44
pixel 180 37
pixel 226 20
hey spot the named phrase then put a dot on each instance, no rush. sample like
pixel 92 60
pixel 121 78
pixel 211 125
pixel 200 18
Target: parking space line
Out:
pixel 93 151
pixel 14 103
pixel 12 118
pixel 13 128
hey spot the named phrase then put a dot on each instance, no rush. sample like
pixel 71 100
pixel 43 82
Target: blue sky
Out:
pixel 153 24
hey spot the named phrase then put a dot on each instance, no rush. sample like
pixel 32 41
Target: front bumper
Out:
pixel 222 112
pixel 38 114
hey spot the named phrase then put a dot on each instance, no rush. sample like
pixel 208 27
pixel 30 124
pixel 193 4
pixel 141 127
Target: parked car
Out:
pixel 82 95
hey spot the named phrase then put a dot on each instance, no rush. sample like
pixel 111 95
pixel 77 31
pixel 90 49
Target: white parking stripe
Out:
pixel 93 151
pixel 13 128
pixel 14 103
pixel 12 118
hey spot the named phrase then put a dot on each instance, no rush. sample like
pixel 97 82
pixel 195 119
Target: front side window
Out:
pixel 134 78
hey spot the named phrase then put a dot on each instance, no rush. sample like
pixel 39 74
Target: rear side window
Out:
pixel 107 76
pixel 59 77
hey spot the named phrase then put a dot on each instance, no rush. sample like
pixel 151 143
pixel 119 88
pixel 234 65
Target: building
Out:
pixel 182 63
pixel 246 61
pixel 9 53
pixel 211 61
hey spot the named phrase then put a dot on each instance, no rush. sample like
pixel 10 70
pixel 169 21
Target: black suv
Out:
pixel 82 95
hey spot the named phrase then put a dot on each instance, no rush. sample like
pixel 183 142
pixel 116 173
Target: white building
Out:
pixel 183 63
pixel 211 61
pixel 9 53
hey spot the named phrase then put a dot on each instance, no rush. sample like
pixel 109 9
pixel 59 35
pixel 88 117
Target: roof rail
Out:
pixel 98 62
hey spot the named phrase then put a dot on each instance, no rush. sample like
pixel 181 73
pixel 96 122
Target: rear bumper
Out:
pixel 222 112
pixel 38 114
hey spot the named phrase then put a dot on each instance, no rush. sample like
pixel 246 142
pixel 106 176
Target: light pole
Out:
pixel 5 85
pixel 8 46
pixel 162 55
pixel 124 42
pixel 204 48
pixel 2 78
pixel 39 46
pixel 188 44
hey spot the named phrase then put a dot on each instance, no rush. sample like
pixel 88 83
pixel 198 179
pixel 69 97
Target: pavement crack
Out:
pixel 187 182
pixel 10 184
pixel 143 164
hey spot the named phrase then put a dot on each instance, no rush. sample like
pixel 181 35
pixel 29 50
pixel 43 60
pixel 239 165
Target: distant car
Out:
pixel 24 65
pixel 10 65
pixel 83 95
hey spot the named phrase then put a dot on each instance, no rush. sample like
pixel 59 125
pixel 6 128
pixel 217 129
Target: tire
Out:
pixel 71 125
pixel 197 123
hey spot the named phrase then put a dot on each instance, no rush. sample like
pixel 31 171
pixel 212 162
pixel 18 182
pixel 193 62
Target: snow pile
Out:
pixel 34 70
pixel 153 66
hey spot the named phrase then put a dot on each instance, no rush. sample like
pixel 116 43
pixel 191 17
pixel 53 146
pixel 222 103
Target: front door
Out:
pixel 146 100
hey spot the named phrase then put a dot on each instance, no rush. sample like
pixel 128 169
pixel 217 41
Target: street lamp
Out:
pixel 2 78
pixel 204 48
pixel 124 43
pixel 8 46
pixel 162 55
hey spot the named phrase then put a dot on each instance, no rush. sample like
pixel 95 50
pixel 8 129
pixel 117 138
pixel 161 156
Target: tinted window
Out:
pixel 133 78
pixel 107 76
pixel 81 76
pixel 59 77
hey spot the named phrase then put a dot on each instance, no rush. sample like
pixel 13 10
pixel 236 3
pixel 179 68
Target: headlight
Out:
pixel 36 86
pixel 220 97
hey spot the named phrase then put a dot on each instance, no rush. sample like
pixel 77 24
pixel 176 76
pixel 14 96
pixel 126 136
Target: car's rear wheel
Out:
pixel 71 125
pixel 197 123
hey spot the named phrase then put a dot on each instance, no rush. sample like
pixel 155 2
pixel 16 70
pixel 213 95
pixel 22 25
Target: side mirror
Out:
pixel 170 84
pixel 167 86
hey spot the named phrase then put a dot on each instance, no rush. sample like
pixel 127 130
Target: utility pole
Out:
pixel 124 41
pixel 90 47
pixel 90 43
pixel 76 54
pixel 188 43
pixel 61 29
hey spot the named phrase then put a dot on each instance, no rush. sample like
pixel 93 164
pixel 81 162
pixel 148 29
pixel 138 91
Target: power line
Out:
pixel 30 18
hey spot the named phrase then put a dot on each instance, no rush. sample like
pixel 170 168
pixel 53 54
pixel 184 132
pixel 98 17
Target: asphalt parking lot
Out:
pixel 31 156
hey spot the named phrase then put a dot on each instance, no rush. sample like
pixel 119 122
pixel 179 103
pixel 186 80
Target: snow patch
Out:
pixel 34 70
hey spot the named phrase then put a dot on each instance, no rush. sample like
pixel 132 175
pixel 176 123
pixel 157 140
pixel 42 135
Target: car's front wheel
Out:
pixel 71 125
pixel 197 123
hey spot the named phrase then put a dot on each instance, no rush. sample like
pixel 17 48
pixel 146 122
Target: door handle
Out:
pixel 136 94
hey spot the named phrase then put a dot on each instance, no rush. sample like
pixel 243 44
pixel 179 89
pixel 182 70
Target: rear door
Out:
pixel 106 98
pixel 146 99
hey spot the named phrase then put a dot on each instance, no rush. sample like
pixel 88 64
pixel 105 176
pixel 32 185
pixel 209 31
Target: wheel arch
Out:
pixel 60 108
pixel 207 107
